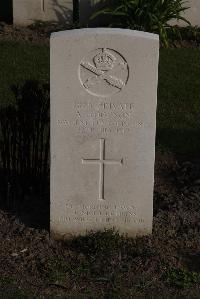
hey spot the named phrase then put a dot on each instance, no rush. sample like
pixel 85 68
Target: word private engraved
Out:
pixel 101 162
pixel 103 72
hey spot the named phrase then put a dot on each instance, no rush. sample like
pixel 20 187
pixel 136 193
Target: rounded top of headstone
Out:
pixel 91 31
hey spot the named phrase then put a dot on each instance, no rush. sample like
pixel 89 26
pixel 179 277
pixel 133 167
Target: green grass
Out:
pixel 21 61
pixel 178 113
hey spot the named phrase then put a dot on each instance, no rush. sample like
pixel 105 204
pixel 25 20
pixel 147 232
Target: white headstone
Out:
pixel 103 121
pixel 26 12
pixel 192 14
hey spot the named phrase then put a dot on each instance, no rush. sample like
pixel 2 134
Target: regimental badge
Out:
pixel 103 72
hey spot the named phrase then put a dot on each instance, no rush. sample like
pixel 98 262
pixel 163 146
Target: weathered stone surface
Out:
pixel 103 121
pixel 192 14
pixel 26 12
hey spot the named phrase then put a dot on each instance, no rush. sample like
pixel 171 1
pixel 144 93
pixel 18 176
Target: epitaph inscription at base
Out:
pixel 103 121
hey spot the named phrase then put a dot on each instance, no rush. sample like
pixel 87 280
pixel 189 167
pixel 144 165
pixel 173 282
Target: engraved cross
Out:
pixel 101 162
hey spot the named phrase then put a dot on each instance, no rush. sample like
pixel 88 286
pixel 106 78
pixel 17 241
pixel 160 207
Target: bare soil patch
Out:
pixel 105 265
pixel 40 33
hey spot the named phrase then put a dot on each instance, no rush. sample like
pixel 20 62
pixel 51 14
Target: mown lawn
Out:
pixel 21 61
pixel 178 113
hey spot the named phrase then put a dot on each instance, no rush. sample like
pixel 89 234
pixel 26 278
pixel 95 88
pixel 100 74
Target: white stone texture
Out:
pixel 192 14
pixel 26 12
pixel 103 122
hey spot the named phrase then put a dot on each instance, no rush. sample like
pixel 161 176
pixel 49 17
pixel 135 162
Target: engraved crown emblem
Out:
pixel 104 61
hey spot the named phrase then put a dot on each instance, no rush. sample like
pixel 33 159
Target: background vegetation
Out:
pixel 144 15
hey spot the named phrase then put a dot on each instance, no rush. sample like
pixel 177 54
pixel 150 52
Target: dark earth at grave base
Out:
pixel 105 265
pixel 40 33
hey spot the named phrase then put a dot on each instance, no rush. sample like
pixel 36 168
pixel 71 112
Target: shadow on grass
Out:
pixel 24 154
pixel 21 197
